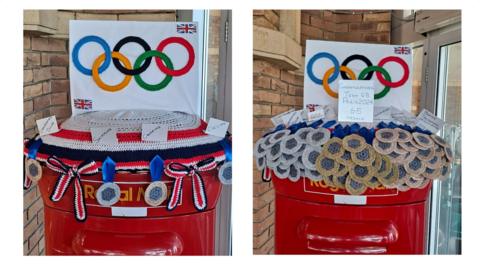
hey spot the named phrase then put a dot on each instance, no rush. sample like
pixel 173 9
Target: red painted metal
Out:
pixel 307 221
pixel 183 231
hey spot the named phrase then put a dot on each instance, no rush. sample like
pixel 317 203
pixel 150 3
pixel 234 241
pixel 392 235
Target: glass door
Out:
pixel 444 61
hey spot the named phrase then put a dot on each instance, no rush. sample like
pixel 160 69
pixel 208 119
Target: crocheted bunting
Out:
pixel 391 179
pixel 403 135
pixel 333 148
pixel 415 167
pixel 345 159
pixel 364 157
pixel 329 181
pixel 414 182
pixel 435 162
pixel 309 157
pixel 361 173
pixel 445 171
pixel 448 153
pixel 290 145
pixel 313 175
pixel 399 150
pixel 426 154
pixel 278 136
pixel 318 137
pixel 156 193
pixel 294 173
pixel 384 168
pixel 383 147
pixel 372 182
pixel 423 140
pixel 274 152
pixel 326 165
pixel 340 181
pixel 438 140
pixel 354 187
pixel 108 194
pixel 354 143
pixel 33 169
pixel 408 146
pixel 302 133
pixel 259 151
pixel 431 173
pixel 281 172
pixel 396 157
pixel 386 135
pixel 261 162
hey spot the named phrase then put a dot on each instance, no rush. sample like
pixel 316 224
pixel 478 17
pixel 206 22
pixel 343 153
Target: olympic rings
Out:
pixel 191 56
pixel 123 65
pixel 96 76
pixel 329 72
pixel 147 55
pixel 366 74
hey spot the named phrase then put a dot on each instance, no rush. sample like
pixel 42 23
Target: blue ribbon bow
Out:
pixel 227 148
pixel 33 149
pixel 156 168
pixel 108 170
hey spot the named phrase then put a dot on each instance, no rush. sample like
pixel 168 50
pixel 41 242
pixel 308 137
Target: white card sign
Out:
pixel 427 120
pixel 322 71
pixel 47 125
pixel 217 127
pixel 134 65
pixel 355 102
pixel 154 132
pixel 104 135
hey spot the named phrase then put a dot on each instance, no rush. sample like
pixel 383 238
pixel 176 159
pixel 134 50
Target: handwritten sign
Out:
pixel 104 135
pixel 427 120
pixel 154 132
pixel 355 101
pixel 217 127
pixel 47 125
pixel 278 119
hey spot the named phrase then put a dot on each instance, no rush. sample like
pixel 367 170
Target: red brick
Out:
pixel 31 59
pixel 377 17
pixel 265 96
pixel 266 248
pixel 328 35
pixel 55 59
pixel 277 109
pixel 383 27
pixel 61 111
pixel 27 76
pixel 34 251
pixel 60 85
pixel 41 102
pixel 349 37
pixel 58 72
pixel 41 74
pixel 342 17
pixel 48 44
pixel 265 68
pixel 305 18
pixel 291 78
pixel 261 239
pixel 363 27
pixel 33 240
pixel 328 25
pixel 262 122
pixel 262 109
pixel 383 38
pixel 261 81
pixel 262 199
pixel 312 32
pixel 59 98
pixel 29 229
pixel 46 87
pixel 259 227
pixel 32 91
pixel 261 214
pixel 257 134
pixel 26 42
pixel 279 86
pixel 288 100
pixel 34 208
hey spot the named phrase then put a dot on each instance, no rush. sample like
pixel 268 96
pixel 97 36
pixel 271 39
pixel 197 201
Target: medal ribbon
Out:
pixel 227 148
pixel 179 171
pixel 108 170
pixel 67 174
pixel 156 168
pixel 32 153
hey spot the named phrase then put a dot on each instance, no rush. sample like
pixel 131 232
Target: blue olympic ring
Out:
pixel 319 56
pixel 87 39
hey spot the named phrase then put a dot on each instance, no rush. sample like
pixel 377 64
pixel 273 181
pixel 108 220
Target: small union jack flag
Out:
pixel 82 104
pixel 186 28
pixel 402 50
pixel 312 107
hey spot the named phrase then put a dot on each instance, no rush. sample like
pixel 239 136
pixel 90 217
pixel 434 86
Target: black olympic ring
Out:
pixel 352 58
pixel 144 45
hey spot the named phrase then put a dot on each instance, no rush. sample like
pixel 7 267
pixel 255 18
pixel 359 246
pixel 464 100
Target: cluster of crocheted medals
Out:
pixel 355 158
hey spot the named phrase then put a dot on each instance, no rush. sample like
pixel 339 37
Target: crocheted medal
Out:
pixel 108 193
pixel 333 148
pixel 354 143
pixel 156 191
pixel 309 157
pixel 354 187
pixel 326 165
pixel 364 157
pixel 386 135
pixel 403 135
pixel 361 173
pixel 318 137
pixel 438 140
pixel 423 140
pixel 383 147
pixel 415 167
pixel 426 154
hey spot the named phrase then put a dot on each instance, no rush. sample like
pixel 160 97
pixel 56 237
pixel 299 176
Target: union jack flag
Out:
pixel 312 107
pixel 82 104
pixel 186 28
pixel 402 50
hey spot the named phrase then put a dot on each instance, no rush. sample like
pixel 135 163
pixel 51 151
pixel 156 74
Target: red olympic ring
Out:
pixel 402 63
pixel 186 45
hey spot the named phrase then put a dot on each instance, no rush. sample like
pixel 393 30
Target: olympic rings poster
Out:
pixel 134 65
pixel 327 62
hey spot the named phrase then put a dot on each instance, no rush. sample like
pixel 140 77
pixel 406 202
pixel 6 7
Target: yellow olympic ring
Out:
pixel 329 72
pixel 98 80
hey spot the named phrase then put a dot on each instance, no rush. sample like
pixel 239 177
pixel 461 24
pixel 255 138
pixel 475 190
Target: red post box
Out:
pixel 312 218
pixel 78 220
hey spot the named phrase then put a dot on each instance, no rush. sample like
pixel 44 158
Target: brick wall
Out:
pixel 267 18
pixel 276 90
pixel 46 92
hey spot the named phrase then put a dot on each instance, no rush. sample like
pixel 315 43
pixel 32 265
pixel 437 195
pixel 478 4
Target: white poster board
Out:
pixel 326 58
pixel 109 66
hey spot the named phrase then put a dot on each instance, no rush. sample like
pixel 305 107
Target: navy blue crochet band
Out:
pixel 130 156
